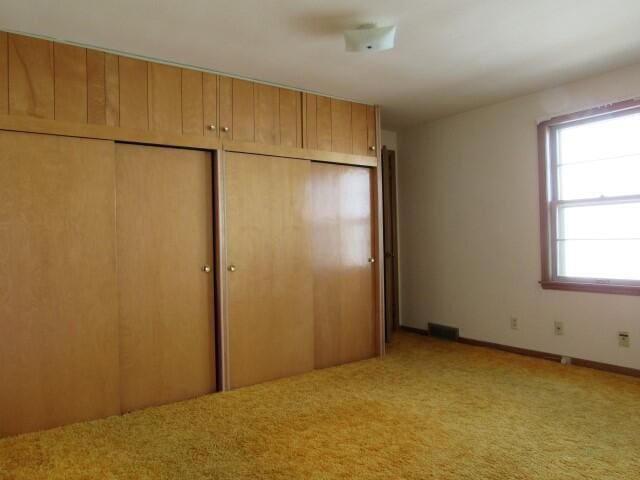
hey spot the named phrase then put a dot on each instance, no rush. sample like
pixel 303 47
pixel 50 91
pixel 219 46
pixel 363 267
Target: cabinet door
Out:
pixel 372 137
pixel 58 297
pixel 165 240
pixel 290 118
pixel 70 83
pixel 225 108
pixel 359 129
pixel 323 123
pixel 210 99
pixel 31 81
pixel 267 113
pixel 243 123
pixel 270 293
pixel 341 135
pixel 165 98
pixel 192 102
pixel 133 82
pixel 344 313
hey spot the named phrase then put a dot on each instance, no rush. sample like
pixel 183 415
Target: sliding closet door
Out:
pixel 269 278
pixel 165 256
pixel 342 263
pixel 58 298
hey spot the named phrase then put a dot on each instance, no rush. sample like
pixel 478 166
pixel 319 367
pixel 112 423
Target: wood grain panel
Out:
pixel 165 98
pixel 165 236
pixel 192 103
pixel 270 296
pixel 70 83
pixel 344 299
pixel 359 129
pixel 112 89
pixel 290 118
pixel 225 106
pixel 30 77
pixel 134 108
pixel 372 140
pixel 323 123
pixel 58 298
pixel 310 124
pixel 267 114
pixel 243 111
pixel 96 85
pixel 210 100
pixel 4 73
pixel 341 135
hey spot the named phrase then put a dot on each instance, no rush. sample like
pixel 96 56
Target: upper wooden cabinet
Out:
pixel 49 80
pixel 339 126
pixel 253 112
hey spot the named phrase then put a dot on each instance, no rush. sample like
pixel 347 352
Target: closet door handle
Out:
pixel 371 260
pixel 231 268
pixel 206 269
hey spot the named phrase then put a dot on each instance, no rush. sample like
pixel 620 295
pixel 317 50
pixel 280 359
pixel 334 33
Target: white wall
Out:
pixel 390 140
pixel 469 229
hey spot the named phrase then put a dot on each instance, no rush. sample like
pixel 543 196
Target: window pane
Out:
pixel 599 241
pixel 602 178
pixel 606 259
pixel 602 139
pixel 593 222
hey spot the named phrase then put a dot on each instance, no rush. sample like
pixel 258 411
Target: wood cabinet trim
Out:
pixel 300 153
pixel 104 132
pixel 379 247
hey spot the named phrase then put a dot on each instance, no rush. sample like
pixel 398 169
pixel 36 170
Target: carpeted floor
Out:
pixel 428 410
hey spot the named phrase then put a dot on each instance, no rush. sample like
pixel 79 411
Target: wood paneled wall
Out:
pixel 48 80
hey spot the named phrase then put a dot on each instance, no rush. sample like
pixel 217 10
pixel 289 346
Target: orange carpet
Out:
pixel 428 410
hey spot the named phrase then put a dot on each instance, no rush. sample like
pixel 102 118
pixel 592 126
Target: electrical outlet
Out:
pixel 624 340
pixel 514 323
pixel 558 328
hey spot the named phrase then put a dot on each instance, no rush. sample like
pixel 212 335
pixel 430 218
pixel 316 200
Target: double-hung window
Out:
pixel 590 200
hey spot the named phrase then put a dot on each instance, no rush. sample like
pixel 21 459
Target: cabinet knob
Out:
pixel 372 148
pixel 212 127
pixel 225 129
pixel 206 269
pixel 231 268
pixel 372 260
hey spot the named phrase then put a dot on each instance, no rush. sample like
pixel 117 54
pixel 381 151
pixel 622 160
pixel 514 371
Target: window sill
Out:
pixel 591 287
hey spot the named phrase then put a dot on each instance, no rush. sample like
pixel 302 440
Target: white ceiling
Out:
pixel 451 55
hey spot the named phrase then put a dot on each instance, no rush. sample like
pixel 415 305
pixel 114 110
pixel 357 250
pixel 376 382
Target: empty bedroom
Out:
pixel 299 239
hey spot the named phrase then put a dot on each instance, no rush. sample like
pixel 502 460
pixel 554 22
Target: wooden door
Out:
pixel 344 296
pixel 390 242
pixel 165 238
pixel 58 297
pixel 270 293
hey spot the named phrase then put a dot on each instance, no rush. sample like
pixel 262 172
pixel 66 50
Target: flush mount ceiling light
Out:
pixel 370 38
